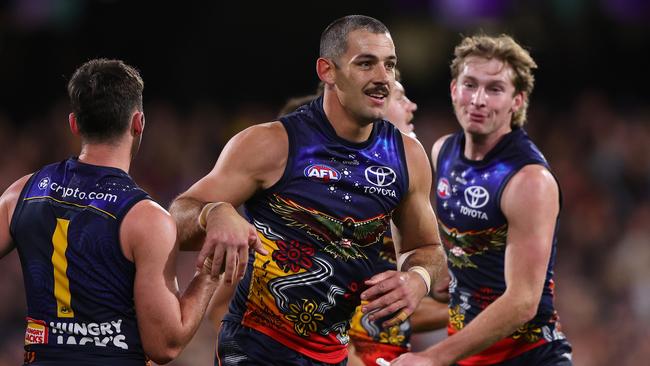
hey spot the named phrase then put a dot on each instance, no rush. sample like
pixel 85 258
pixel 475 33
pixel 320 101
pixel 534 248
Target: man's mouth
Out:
pixel 477 117
pixel 379 93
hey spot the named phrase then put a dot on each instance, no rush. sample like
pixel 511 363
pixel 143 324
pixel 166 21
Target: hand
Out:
pixel 393 292
pixel 228 237
pixel 415 359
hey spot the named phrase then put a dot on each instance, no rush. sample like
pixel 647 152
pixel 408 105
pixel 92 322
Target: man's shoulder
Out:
pixel 269 132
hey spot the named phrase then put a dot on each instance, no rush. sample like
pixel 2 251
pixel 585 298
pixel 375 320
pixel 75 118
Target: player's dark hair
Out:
pixel 334 40
pixel 104 93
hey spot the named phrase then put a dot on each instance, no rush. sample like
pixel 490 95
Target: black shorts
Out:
pixel 239 346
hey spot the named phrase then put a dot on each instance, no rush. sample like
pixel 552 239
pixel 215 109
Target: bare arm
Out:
pixel 417 243
pixel 8 202
pixel 530 203
pixel 252 160
pixel 219 303
pixel 167 320
pixel 429 315
pixel 435 150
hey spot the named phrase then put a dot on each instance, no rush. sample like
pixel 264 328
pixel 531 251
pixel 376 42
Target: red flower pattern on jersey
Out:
pixel 293 256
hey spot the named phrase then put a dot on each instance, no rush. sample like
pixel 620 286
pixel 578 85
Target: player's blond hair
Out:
pixel 506 49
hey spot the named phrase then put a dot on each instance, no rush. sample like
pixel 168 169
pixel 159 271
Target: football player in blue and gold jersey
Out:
pixel 98 255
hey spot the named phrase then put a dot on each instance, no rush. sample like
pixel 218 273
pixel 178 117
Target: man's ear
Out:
pixel 518 102
pixel 452 89
pixel 325 70
pixel 72 120
pixel 137 123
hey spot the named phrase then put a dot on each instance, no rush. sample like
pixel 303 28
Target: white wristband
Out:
pixel 203 217
pixel 424 274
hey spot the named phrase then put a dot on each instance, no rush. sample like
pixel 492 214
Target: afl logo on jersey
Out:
pixel 443 189
pixel 322 172
pixel 44 183
pixel 476 196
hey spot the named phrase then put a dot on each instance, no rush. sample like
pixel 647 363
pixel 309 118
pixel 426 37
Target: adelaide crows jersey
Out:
pixel 323 224
pixel 79 285
pixel 371 340
pixel 474 230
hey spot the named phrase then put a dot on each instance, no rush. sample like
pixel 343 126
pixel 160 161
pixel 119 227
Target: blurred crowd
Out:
pixel 598 149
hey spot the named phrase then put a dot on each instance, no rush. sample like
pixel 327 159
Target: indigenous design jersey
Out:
pixel 370 339
pixel 79 285
pixel 474 230
pixel 323 224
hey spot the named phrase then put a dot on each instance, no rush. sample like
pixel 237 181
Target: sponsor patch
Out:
pixel 380 176
pixel 476 196
pixel 443 189
pixel 36 332
pixel 322 173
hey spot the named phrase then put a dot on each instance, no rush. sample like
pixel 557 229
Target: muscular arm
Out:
pixel 8 202
pixel 167 320
pixel 417 243
pixel 252 160
pixel 530 203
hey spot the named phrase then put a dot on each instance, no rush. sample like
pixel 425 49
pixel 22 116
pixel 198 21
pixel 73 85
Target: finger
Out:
pixel 379 289
pixel 235 268
pixel 379 277
pixel 200 260
pixel 231 264
pixel 255 243
pixel 384 306
pixel 207 266
pixel 206 251
pixel 217 260
pixel 241 263
pixel 399 318
pixel 389 309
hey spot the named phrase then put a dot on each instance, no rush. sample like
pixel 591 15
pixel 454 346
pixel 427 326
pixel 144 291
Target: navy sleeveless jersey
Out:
pixel 323 224
pixel 371 340
pixel 474 232
pixel 78 283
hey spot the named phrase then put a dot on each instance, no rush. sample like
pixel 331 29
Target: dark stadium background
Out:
pixel 213 68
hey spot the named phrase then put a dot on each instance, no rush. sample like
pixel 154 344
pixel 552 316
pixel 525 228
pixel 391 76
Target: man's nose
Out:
pixel 478 98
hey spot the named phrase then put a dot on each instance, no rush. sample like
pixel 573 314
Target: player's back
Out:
pixel 79 284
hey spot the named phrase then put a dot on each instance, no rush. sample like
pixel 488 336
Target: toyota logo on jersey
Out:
pixel 476 196
pixel 381 176
pixel 322 172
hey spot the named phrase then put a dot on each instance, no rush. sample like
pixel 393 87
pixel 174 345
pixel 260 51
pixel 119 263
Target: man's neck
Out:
pixel 478 146
pixel 115 156
pixel 345 125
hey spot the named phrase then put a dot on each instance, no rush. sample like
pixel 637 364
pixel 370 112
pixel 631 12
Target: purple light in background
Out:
pixel 627 10
pixel 465 12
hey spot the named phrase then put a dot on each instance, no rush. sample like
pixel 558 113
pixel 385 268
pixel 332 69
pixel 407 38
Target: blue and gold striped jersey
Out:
pixel 78 283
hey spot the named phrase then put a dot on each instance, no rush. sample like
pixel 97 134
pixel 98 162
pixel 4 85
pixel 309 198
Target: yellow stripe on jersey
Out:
pixel 60 262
